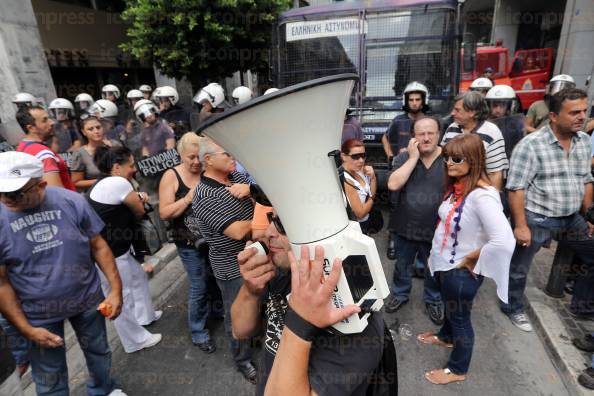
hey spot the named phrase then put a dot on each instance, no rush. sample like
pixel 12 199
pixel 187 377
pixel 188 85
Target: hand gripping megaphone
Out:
pixel 285 140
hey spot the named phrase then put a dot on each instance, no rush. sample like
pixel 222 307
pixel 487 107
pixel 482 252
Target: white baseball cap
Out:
pixel 16 169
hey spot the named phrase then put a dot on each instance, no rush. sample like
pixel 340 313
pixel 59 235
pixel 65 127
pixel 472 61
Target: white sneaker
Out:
pixel 117 392
pixel 152 341
pixel 158 315
pixel 521 321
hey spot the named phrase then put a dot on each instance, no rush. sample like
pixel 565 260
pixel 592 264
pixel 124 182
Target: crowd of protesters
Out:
pixel 471 197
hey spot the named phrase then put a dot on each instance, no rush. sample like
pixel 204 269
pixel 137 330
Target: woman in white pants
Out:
pixel 119 206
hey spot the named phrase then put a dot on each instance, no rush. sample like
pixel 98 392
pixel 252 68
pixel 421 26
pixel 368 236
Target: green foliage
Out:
pixel 202 39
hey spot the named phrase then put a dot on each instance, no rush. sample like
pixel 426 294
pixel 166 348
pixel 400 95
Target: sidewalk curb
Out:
pixel 568 360
pixel 168 275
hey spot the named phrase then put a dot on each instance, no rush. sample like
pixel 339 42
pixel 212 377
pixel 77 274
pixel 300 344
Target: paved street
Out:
pixel 506 361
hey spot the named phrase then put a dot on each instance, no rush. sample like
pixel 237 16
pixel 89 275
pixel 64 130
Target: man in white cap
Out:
pixel 49 243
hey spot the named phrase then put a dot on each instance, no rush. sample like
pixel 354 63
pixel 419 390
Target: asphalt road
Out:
pixel 506 361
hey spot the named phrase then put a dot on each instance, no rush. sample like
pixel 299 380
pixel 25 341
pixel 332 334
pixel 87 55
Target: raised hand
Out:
pixel 311 292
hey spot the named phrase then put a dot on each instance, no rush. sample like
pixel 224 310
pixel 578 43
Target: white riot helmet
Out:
pixel 83 101
pixel 61 109
pixel 270 90
pixel 103 108
pixel 24 99
pixel 241 95
pixel 481 84
pixel 415 87
pixel 143 108
pixel 110 89
pixel 503 94
pixel 145 88
pixel 213 93
pixel 167 93
pixel 133 96
pixel 559 82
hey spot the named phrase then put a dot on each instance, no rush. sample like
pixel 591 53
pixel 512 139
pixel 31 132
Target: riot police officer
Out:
pixel 177 118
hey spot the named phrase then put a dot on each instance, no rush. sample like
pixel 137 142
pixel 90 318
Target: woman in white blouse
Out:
pixel 360 184
pixel 473 239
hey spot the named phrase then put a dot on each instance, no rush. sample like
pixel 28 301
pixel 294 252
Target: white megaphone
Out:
pixel 285 140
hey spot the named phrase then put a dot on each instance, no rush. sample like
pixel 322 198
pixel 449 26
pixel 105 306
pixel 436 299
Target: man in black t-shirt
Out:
pixel 415 104
pixel 419 179
pixel 10 381
pixel 293 363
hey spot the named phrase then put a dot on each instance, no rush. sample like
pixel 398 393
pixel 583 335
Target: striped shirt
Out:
pixel 216 209
pixel 493 140
pixel 553 181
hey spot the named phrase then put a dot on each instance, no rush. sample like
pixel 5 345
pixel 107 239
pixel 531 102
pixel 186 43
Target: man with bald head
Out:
pixel 419 179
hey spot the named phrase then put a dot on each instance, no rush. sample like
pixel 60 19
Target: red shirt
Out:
pixel 52 162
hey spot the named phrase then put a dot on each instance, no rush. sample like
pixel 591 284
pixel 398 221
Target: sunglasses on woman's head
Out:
pixel 277 223
pixel 358 156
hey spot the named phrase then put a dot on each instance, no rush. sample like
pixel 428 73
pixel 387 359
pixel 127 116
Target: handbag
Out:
pixel 375 222
pixel 147 241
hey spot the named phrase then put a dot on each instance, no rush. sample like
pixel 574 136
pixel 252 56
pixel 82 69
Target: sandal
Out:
pixel 432 339
pixel 443 377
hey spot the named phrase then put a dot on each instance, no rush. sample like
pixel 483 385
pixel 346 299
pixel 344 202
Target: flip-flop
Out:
pixel 432 339
pixel 449 377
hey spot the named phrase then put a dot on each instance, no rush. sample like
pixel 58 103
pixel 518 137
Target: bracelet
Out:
pixel 301 327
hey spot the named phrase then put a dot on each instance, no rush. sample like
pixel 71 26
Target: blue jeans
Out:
pixel 406 251
pixel 48 365
pixel 573 231
pixel 18 344
pixel 458 288
pixel 195 265
pixel 241 349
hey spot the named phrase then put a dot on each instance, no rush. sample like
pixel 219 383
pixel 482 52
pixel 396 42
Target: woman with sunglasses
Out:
pixel 117 203
pixel 360 184
pixel 473 239
pixel 84 171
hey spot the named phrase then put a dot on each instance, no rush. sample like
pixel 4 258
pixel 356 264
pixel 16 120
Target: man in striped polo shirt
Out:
pixel 470 116
pixel 224 211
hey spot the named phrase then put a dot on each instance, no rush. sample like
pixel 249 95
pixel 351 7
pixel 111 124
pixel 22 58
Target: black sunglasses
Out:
pixel 18 195
pixel 277 223
pixel 454 160
pixel 358 156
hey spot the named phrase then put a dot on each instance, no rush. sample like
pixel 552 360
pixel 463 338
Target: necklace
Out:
pixel 454 214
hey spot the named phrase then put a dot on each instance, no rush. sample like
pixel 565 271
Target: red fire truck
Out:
pixel 528 73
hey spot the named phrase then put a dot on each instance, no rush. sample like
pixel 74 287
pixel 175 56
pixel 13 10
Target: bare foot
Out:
pixel 443 376
pixel 431 339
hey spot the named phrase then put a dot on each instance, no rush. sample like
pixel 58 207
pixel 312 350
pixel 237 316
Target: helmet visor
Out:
pixel 23 105
pixel 480 90
pixel 146 110
pixel 107 94
pixel 557 86
pixel 83 105
pixel 60 114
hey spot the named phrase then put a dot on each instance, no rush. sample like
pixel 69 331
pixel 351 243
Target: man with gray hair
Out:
pixel 470 116
pixel 224 211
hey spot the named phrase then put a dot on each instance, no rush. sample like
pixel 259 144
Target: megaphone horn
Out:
pixel 284 140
